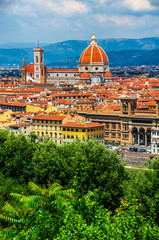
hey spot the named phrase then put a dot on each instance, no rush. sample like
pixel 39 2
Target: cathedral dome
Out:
pixel 108 75
pixel 85 75
pixel 93 54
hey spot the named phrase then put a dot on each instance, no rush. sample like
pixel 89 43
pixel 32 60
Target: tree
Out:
pixel 35 216
pixel 93 166
pixel 16 153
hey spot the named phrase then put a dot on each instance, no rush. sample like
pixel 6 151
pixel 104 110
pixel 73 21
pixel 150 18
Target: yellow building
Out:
pixel 48 126
pixel 6 118
pixel 82 130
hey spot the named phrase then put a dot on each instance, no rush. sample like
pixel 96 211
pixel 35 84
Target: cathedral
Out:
pixel 93 67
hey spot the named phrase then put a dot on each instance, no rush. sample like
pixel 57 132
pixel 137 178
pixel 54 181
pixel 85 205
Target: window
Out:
pixel 119 135
pixel 51 128
pixel 60 128
pixel 96 68
pixel 72 130
pixel 76 136
pixel 64 129
pixel 60 122
pixel 113 126
pixel 76 129
pixel 60 135
pixel 55 122
pixel 86 68
pixel 72 137
pixel 42 133
pixel 42 126
pixel 37 126
pixel 83 130
pixel 107 125
pixel 68 136
pixel 51 122
pixel 125 127
pixel 55 128
pixel 37 121
pixel 33 120
pixel 55 135
pixel 64 136
pixel 46 121
pixel 125 136
pixel 68 129
pixel 66 75
pixel 88 130
pixel 113 135
pixel 36 59
pixel 46 127
pixel 83 137
pixel 51 134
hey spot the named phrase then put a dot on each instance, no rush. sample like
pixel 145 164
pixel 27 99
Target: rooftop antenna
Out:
pixel 38 43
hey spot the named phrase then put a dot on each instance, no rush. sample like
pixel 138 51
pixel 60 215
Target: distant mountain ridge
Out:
pixel 66 54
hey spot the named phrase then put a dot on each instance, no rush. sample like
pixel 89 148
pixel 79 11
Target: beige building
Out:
pixel 24 128
pixel 130 125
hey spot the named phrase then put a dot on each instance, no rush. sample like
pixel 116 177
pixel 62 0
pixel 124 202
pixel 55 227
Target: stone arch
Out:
pixel 135 135
pixel 141 136
pixel 148 143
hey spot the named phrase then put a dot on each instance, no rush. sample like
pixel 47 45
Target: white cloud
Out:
pixel 117 20
pixel 128 20
pixel 38 7
pixel 139 5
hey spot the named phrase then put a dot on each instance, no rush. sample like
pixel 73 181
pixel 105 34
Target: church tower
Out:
pixel 38 62
pixel 23 70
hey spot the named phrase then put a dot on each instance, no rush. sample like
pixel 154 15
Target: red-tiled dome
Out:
pixel 93 54
pixel 108 75
pixel 85 75
pixel 30 68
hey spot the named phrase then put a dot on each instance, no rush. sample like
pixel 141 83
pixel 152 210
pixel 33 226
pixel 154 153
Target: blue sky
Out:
pixel 59 20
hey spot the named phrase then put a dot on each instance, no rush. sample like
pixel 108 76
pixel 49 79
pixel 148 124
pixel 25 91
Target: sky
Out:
pixel 51 21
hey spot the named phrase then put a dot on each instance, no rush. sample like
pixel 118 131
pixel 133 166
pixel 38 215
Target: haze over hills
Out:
pixel 121 52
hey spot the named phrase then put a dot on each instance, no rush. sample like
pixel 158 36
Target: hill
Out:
pixel 62 54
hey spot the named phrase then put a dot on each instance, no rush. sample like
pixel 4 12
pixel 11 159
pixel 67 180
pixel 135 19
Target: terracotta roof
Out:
pixel 30 68
pixel 47 117
pixel 13 104
pixel 108 75
pixel 82 125
pixel 20 125
pixel 85 75
pixel 93 54
pixel 23 64
pixel 97 74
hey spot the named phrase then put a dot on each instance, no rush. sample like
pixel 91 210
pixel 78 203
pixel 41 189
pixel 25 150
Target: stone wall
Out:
pixel 135 159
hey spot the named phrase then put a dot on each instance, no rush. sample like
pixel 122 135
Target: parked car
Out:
pixel 148 151
pixel 142 150
pixel 133 149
